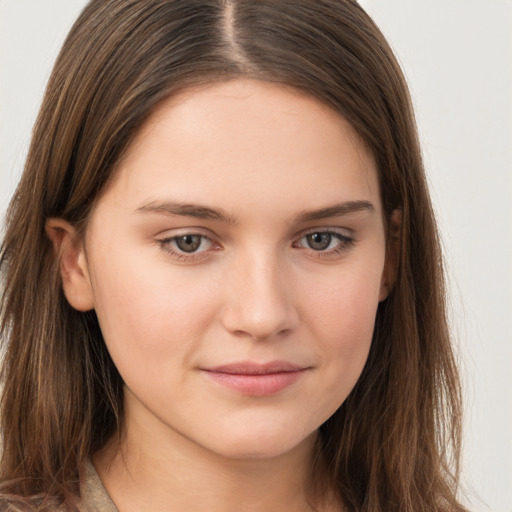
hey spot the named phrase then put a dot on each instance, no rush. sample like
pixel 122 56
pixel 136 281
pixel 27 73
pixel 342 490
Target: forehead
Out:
pixel 246 140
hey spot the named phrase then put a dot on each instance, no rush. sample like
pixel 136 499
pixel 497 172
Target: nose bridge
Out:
pixel 259 303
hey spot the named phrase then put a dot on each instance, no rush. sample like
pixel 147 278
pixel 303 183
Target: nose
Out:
pixel 259 302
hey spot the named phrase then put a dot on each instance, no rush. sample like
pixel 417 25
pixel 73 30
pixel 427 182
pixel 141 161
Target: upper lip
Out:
pixel 252 368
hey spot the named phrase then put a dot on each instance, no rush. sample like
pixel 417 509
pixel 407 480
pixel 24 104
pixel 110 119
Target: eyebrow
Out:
pixel 186 210
pixel 336 210
pixel 176 208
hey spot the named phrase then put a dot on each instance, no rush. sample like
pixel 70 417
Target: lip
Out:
pixel 254 379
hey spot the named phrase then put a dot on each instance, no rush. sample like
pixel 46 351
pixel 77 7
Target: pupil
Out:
pixel 188 243
pixel 319 241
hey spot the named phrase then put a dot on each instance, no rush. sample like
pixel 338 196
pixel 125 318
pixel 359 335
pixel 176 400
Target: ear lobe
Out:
pixel 392 254
pixel 72 264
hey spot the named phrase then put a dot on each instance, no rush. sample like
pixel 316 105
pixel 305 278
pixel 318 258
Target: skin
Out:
pixel 263 157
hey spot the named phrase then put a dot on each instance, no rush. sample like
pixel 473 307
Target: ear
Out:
pixel 72 264
pixel 392 254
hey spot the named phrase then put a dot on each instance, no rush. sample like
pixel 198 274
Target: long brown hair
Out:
pixel 394 443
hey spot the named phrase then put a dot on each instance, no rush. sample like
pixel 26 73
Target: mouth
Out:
pixel 255 379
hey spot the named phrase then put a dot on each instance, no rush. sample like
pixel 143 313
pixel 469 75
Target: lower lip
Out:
pixel 257 385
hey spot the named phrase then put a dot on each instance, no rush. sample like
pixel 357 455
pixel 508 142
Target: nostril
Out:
pixel 261 336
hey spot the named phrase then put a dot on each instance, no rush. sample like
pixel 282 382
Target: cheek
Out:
pixel 342 320
pixel 345 304
pixel 348 336
pixel 147 312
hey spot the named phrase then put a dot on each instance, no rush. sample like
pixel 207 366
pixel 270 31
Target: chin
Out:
pixel 263 444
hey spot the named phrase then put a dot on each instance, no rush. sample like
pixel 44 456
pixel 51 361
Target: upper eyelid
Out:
pixel 347 232
pixel 170 234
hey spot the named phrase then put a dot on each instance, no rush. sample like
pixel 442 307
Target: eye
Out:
pixel 325 242
pixel 187 247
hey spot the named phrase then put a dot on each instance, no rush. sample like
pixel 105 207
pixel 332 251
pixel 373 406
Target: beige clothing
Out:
pixel 94 496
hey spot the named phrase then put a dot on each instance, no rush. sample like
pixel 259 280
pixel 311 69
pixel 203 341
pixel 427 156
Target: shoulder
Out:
pixel 94 496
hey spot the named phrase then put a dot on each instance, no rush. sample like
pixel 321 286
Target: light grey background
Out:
pixel 457 55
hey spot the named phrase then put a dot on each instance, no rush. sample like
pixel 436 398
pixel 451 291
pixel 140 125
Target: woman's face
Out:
pixel 235 264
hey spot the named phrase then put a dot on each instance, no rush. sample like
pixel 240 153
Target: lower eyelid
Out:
pixel 182 256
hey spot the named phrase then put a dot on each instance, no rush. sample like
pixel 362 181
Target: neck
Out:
pixel 168 472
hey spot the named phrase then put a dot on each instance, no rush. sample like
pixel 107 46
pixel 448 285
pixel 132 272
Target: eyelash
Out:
pixel 344 245
pixel 166 244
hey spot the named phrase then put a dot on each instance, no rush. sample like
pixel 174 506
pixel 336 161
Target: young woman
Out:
pixel 222 283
